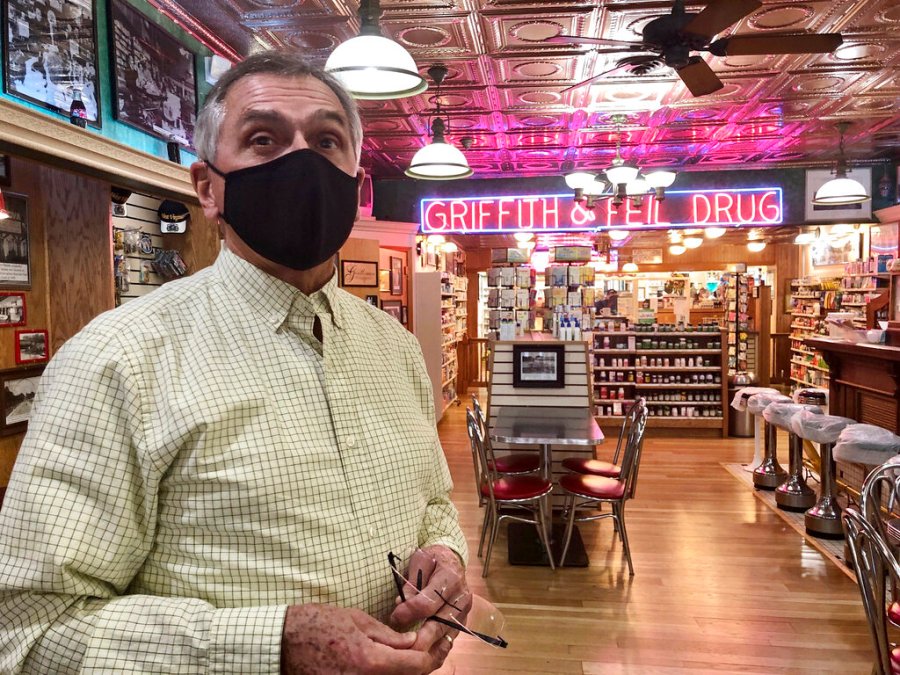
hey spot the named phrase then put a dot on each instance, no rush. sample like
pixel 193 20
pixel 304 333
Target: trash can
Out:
pixel 740 422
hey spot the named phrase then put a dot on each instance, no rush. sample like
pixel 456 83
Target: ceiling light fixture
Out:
pixel 714 232
pixel 618 235
pixel 807 237
pixel 449 247
pixel 692 242
pixel 677 249
pixel 578 181
pixel 523 237
pixel 436 239
pixel 756 246
pixel 659 181
pixel 439 160
pixel 840 189
pixel 620 173
pixel 630 268
pixel 371 66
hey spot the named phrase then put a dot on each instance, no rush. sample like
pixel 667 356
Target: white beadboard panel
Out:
pixel 498 401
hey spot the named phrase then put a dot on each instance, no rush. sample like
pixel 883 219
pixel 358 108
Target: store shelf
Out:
pixel 810 365
pixel 807 383
pixel 615 368
pixel 862 290
pixel 810 315
pixel 854 304
pixel 678 351
pixel 622 352
pixel 880 275
pixel 802 351
pixel 717 403
pixel 607 401
pixel 810 296
pixel 450 381
pixel 672 369
pixel 679 386
pixel 685 422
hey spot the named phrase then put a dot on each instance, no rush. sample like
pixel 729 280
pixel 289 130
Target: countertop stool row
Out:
pixel 838 438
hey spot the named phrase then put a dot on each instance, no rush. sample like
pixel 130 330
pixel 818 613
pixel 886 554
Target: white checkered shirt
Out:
pixel 197 460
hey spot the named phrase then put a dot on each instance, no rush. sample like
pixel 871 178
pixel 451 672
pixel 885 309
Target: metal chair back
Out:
pixel 625 430
pixel 878 574
pixel 886 476
pixel 476 444
pixel 634 446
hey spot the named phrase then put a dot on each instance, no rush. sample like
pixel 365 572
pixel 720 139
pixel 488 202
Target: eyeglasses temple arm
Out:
pixel 497 641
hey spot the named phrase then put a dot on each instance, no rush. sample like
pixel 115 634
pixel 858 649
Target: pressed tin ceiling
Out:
pixel 505 84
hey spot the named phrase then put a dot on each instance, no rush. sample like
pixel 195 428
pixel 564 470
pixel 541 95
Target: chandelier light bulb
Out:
pixel 660 179
pixel 579 179
pixel 677 249
pixel 714 232
pixel 756 246
pixel 692 242
pixel 636 187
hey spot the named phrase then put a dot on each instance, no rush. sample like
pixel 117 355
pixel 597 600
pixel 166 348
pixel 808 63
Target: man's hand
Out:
pixel 327 639
pixel 444 592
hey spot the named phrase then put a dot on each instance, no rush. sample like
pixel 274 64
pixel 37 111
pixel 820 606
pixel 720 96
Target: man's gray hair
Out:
pixel 275 62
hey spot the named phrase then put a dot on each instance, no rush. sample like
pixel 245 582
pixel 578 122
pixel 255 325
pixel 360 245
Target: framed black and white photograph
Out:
pixel 396 276
pixel 154 81
pixel 394 308
pixel 32 346
pixel 359 273
pixel 853 213
pixel 539 366
pixel 15 246
pixel 372 300
pixel 51 52
pixel 17 389
pixel 12 309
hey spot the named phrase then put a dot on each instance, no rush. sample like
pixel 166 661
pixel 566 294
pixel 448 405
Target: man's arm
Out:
pixel 76 526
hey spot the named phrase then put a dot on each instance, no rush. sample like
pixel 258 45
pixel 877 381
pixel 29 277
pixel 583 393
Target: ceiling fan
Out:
pixel 671 38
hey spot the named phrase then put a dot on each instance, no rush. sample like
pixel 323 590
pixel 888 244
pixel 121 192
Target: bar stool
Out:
pixel 823 519
pixel 769 474
pixel 739 403
pixel 793 494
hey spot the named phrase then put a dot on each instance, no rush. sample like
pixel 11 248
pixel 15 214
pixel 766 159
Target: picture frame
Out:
pixel 372 300
pixel 5 171
pixel 396 276
pixel 15 244
pixel 50 48
pixel 404 315
pixel 154 90
pixel 18 387
pixel 854 213
pixel 359 273
pixel 12 309
pixel 539 366
pixel 384 281
pixel 32 345
pixel 393 307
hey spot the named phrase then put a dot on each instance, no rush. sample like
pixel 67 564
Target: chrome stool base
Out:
pixel 824 518
pixel 794 494
pixel 769 475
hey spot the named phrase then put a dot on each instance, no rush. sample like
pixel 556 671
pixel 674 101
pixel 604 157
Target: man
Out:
pixel 215 474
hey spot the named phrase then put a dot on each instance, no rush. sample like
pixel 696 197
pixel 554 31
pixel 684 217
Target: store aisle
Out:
pixel 721 583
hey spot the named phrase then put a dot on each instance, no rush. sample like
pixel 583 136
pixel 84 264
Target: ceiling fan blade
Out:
pixel 575 40
pixel 719 15
pixel 699 78
pixel 591 79
pixel 776 43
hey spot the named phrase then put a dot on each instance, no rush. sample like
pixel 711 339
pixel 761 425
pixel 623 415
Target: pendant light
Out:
pixel 659 181
pixel 677 249
pixel 578 181
pixel 692 242
pixel 840 189
pixel 630 268
pixel 713 232
pixel 756 245
pixel 620 173
pixel 618 235
pixel 371 66
pixel 439 160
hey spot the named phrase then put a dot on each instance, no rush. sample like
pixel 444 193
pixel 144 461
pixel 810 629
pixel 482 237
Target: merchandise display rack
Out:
pixel 454 320
pixel 811 300
pixel 737 323
pixel 681 374
pixel 511 296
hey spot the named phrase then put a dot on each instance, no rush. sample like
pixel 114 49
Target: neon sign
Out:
pixel 559 213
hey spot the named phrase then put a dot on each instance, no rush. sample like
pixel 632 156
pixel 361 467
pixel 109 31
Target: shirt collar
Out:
pixel 272 297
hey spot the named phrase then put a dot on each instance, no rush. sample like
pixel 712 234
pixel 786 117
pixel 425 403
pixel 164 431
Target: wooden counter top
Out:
pixel 865 349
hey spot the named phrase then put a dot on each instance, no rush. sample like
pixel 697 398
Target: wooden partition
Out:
pixel 576 394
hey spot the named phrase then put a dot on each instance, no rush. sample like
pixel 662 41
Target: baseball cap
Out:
pixel 173 217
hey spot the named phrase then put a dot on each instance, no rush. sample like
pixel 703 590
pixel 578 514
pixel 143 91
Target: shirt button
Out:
pixel 372 531
pixel 351 441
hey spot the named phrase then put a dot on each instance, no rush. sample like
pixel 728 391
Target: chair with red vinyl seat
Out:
pixel 510 464
pixel 596 490
pixel 597 467
pixel 522 493
pixel 877 572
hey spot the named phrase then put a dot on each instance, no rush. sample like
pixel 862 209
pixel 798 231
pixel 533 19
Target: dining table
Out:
pixel 546 427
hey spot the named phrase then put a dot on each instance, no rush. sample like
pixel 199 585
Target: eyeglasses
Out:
pixel 483 621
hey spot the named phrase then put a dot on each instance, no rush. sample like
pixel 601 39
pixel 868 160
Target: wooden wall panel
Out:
pixel 200 245
pixel 76 213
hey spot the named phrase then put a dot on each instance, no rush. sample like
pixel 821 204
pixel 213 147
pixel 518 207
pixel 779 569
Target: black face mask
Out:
pixel 296 210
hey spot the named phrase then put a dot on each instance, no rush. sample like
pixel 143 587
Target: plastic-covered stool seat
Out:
pixel 739 403
pixel 769 474
pixel 823 519
pixel 866 444
pixel 793 494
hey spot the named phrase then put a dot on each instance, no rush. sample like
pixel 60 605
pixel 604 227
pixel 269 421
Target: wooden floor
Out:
pixel 721 585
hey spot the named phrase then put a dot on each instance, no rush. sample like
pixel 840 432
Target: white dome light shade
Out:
pixel 629 267
pixel 755 246
pixel 540 260
pixel 439 161
pixel 595 187
pixel 842 228
pixel 714 232
pixel 840 191
pixel 677 249
pixel 618 175
pixel 523 237
pixel 436 239
pixel 618 235
pixel 675 236
pixel 371 67
pixel 579 179
pixel 660 179
pixel 449 247
pixel 692 242
pixel 638 186
pixel 805 238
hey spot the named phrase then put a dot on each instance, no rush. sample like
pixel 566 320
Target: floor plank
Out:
pixel 722 584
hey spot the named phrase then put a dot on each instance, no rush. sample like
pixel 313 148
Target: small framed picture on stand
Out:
pixel 32 346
